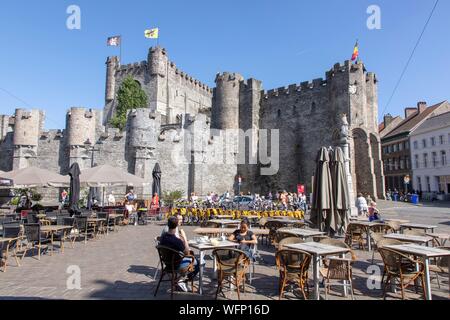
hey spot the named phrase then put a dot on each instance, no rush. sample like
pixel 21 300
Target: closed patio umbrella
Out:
pixel 322 204
pixel 341 194
pixel 156 186
pixel 74 173
pixel 35 177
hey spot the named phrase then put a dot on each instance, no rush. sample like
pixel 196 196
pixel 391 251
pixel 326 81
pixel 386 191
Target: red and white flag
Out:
pixel 114 41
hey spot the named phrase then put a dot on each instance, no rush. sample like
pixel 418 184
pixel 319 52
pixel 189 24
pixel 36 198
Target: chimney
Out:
pixel 387 120
pixel 421 106
pixel 409 112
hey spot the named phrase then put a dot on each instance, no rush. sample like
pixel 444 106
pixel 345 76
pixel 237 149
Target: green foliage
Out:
pixel 130 96
pixel 169 197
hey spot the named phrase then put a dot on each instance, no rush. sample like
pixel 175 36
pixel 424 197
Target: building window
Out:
pixel 416 145
pixel 402 164
pixel 435 160
pixel 433 141
pixel 407 145
pixel 419 183
pixel 395 164
pixel 424 143
pixel 443 158
pixel 428 184
pixel 416 160
pixel 400 146
pixel 395 147
pixel 441 139
pixel 425 160
pixel 407 162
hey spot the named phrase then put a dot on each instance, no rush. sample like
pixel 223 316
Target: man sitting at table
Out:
pixel 180 222
pixel 245 237
pixel 181 244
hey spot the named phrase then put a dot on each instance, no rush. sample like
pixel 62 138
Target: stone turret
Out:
pixel 225 111
pixel 143 131
pixel 81 125
pixel 26 137
pixel 111 67
pixel 157 61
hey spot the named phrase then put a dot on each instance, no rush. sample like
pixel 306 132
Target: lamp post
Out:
pixel 90 148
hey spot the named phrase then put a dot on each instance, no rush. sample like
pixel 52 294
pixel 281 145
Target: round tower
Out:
pixel 27 127
pixel 225 110
pixel 81 126
pixel 143 126
pixel 157 61
pixel 111 66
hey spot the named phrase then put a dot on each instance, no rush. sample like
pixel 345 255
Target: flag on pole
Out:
pixel 355 52
pixel 152 33
pixel 114 41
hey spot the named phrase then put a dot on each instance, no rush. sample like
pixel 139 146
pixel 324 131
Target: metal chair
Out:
pixel 170 260
pixel 35 239
pixel 12 232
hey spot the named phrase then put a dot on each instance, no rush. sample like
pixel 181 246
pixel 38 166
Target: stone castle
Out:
pixel 186 117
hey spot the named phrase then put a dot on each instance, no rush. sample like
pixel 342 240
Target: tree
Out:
pixel 169 197
pixel 130 96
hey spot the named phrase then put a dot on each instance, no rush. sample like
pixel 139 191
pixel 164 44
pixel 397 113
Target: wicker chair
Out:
pixel 440 266
pixel 273 226
pixel 170 260
pixel 336 269
pixel 262 225
pixel 293 266
pixel 356 234
pixel 402 267
pixel 290 240
pixel 12 232
pixel 381 228
pixel 379 241
pixel 232 266
pixel 394 225
pixel 34 239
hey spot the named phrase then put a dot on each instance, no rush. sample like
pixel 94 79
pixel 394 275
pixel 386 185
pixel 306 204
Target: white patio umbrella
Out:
pixel 108 176
pixel 35 177
pixel 4 182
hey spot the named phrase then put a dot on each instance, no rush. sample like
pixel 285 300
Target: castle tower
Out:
pixel 28 125
pixel 143 131
pixel 225 110
pixel 158 63
pixel 4 126
pixel 81 125
pixel 112 65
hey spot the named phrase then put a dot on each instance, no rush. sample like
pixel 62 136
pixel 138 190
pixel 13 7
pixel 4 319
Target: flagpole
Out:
pixel 120 50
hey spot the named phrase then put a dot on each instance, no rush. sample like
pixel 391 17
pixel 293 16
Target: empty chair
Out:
pixel 440 266
pixel 7 247
pixel 337 271
pixel 401 267
pixel 356 234
pixel 81 225
pixel 35 239
pixel 273 226
pixel 293 266
pixel 289 240
pixel 232 266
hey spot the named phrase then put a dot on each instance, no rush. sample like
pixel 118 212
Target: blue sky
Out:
pixel 47 66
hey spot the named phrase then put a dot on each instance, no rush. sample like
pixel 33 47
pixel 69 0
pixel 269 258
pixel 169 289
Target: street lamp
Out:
pixel 91 148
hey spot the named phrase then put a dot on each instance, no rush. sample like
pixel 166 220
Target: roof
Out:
pixel 407 125
pixel 383 129
pixel 435 122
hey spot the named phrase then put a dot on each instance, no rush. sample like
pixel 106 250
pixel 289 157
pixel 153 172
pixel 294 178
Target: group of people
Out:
pixel 174 237
pixel 367 207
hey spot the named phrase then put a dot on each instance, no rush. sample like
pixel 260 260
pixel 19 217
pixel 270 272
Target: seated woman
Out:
pixel 245 237
pixel 374 214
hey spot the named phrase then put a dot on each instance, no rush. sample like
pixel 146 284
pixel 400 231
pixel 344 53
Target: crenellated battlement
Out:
pixel 229 77
pixel 189 80
pixel 133 67
pixel 295 88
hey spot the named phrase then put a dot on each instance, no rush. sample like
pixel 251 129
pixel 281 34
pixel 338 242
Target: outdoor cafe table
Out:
pixel 425 253
pixel 52 230
pixel 202 247
pixel 318 250
pixel 302 233
pixel 224 222
pixel 409 238
pixel 224 216
pixel 441 238
pixel 396 220
pixel 285 221
pixel 424 227
pixel 366 225
pixel 207 231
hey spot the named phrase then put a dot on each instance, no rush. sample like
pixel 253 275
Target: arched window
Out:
pixel 279 113
pixel 313 108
